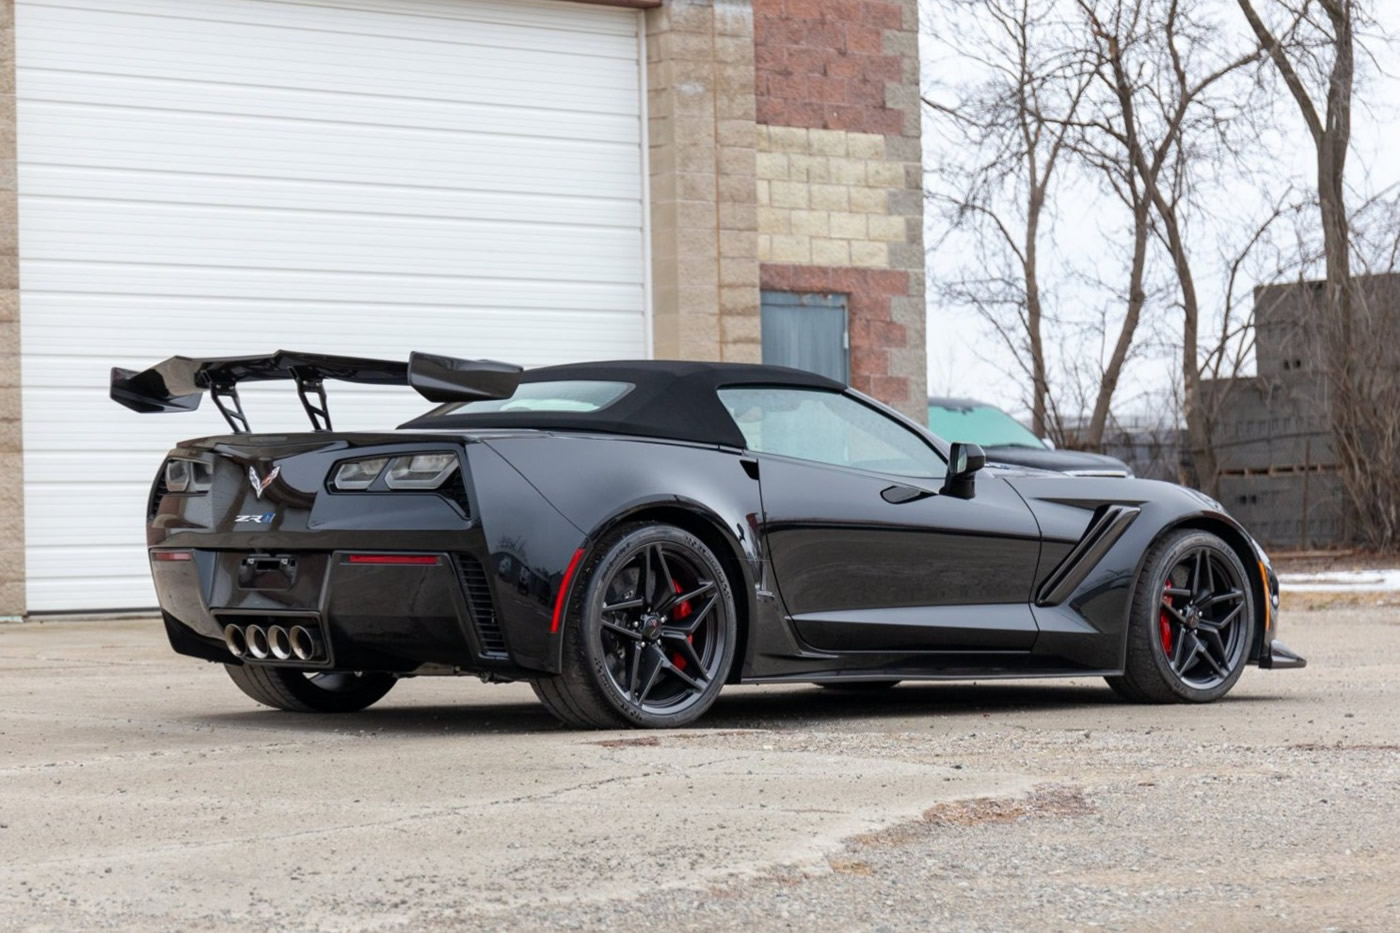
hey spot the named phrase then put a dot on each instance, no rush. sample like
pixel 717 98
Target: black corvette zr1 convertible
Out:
pixel 629 537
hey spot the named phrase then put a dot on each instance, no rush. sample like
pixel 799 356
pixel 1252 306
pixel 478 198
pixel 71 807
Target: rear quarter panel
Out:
pixel 596 481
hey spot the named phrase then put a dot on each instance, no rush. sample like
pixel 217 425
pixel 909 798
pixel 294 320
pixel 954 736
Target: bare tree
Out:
pixel 1172 112
pixel 1295 52
pixel 1007 133
pixel 1102 150
pixel 1313 48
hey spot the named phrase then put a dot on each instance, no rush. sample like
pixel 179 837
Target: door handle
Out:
pixel 900 494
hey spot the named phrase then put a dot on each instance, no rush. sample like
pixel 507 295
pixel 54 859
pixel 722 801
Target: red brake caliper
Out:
pixel 1164 622
pixel 680 612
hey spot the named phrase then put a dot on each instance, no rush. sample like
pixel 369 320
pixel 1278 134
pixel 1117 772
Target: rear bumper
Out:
pixel 438 610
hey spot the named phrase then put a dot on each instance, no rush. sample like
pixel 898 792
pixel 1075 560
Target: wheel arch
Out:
pixel 710 529
pixel 1239 542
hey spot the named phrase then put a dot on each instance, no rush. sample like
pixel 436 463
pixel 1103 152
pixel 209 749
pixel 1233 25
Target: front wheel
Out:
pixel 300 691
pixel 649 636
pixel 1191 624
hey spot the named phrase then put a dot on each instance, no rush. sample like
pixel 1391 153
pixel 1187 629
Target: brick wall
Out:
pixel 827 63
pixel 839 175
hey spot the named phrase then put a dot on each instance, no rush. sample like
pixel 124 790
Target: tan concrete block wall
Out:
pixel 824 195
pixel 11 434
pixel 823 198
pixel 703 153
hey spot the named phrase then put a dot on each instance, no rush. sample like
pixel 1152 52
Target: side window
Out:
pixel 828 427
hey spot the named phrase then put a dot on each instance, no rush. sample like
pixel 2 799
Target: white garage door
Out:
pixel 368 177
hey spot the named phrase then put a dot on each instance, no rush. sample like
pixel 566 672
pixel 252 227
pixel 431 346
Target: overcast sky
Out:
pixel 963 358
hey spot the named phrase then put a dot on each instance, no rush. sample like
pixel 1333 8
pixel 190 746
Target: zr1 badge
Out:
pixel 264 518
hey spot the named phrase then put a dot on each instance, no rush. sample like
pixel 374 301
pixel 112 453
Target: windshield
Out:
pixel 980 424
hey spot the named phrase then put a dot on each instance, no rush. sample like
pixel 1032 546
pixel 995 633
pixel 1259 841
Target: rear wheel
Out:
pixel 301 691
pixel 649 635
pixel 1192 622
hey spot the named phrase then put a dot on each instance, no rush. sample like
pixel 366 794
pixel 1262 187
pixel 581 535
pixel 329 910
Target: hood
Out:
pixel 1060 461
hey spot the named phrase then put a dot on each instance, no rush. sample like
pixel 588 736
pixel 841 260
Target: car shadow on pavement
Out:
pixel 506 717
pixel 935 700
pixel 794 707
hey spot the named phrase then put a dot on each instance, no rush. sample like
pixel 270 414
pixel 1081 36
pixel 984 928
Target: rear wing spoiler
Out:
pixel 180 382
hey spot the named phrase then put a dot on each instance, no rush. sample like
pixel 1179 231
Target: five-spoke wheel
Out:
pixel 649 635
pixel 1192 622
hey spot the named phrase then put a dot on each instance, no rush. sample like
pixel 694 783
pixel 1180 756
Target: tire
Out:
pixel 651 607
pixel 859 686
pixel 300 691
pixel 1120 686
pixel 1191 625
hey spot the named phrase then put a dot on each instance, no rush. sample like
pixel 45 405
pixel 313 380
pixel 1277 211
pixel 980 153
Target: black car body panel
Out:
pixel 1073 462
pixel 838 573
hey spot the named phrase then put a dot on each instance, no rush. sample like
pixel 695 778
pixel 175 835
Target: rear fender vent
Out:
pixel 158 492
pixel 455 490
pixel 478 591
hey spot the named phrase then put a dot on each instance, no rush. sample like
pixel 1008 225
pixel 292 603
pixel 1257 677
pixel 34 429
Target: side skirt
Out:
pixel 827 677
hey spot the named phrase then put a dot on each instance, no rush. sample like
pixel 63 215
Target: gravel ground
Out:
pixel 139 791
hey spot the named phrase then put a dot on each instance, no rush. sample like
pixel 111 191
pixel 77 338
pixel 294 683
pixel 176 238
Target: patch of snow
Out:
pixel 1343 581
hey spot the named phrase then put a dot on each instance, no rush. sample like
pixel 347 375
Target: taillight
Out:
pixel 420 471
pixel 188 476
pixel 414 472
pixel 355 475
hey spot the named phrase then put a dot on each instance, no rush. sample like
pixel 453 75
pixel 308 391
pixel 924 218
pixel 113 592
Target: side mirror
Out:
pixel 964 460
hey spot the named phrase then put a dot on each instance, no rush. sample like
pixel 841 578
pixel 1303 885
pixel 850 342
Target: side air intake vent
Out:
pixel 478 590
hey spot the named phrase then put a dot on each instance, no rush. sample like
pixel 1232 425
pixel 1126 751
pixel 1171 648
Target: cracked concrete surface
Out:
pixel 141 790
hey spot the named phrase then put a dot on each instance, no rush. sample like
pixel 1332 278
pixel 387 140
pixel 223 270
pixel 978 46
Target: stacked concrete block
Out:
pixel 1270 422
pixel 702 157
pixel 1297 510
pixel 1273 435
pixel 1290 336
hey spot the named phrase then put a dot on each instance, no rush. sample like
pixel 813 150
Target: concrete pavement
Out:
pixel 142 790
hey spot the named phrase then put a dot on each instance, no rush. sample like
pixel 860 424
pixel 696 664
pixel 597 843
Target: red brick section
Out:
pixel 822 64
pixel 872 330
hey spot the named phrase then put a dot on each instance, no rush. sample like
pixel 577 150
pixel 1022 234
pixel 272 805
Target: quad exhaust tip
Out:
pixel 235 641
pixel 278 643
pixel 305 643
pixel 275 643
pixel 257 641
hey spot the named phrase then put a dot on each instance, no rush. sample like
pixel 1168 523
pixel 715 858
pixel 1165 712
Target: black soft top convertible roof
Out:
pixel 672 399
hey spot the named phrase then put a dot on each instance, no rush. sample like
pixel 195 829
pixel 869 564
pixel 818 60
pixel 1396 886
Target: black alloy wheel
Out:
pixel 301 691
pixel 1201 625
pixel 1192 623
pixel 649 636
